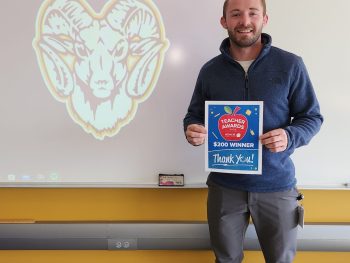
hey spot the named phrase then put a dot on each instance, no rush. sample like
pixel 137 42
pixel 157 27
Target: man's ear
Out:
pixel 265 20
pixel 223 22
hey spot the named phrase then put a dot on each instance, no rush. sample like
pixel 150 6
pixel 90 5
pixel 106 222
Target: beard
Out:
pixel 244 41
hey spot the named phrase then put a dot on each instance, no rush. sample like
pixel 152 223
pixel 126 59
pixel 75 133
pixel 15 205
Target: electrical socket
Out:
pixel 122 243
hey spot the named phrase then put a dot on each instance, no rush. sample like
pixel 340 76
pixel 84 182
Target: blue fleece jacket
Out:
pixel 278 78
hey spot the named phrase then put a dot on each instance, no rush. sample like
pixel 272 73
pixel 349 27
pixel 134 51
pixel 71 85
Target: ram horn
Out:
pixel 142 29
pixel 59 26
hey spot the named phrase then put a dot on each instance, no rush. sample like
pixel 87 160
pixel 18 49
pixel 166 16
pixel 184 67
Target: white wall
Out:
pixel 41 143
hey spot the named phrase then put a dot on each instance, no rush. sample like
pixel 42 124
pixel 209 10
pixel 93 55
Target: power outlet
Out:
pixel 122 243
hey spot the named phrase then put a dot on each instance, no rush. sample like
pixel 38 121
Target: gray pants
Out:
pixel 274 215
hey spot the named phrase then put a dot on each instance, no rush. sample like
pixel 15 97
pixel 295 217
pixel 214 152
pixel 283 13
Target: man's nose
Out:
pixel 245 20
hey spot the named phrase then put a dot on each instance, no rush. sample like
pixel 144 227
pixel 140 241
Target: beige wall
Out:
pixel 145 205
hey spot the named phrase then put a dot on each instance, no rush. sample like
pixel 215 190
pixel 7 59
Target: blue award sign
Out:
pixel 232 144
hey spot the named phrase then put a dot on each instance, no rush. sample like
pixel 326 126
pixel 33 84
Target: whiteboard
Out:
pixel 43 143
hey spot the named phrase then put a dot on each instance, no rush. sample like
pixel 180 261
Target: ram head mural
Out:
pixel 102 65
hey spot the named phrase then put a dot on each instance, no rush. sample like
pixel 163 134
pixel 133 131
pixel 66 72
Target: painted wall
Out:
pixel 145 205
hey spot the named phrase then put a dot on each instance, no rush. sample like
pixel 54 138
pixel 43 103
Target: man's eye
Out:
pixel 234 15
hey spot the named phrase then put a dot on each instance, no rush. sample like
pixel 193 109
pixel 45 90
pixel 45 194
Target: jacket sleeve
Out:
pixel 306 119
pixel 196 109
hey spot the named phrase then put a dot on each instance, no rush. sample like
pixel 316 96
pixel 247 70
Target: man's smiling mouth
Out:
pixel 245 30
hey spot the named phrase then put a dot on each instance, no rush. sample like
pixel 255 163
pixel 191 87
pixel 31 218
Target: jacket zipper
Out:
pixel 246 87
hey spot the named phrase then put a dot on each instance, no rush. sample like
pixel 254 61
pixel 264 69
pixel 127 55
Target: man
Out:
pixel 250 69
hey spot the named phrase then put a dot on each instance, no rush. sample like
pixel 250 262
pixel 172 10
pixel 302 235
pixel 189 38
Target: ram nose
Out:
pixel 102 87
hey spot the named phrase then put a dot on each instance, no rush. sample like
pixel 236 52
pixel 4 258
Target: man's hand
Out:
pixel 275 140
pixel 195 134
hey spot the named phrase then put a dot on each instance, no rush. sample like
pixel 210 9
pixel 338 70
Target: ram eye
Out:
pixel 120 49
pixel 81 50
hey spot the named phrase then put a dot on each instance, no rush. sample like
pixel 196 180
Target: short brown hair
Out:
pixel 263 2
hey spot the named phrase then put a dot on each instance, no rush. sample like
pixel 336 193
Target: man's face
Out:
pixel 244 21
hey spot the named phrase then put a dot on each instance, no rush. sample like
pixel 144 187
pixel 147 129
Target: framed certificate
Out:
pixel 233 129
